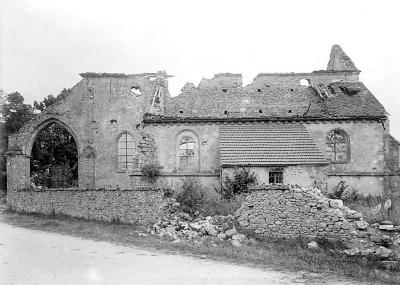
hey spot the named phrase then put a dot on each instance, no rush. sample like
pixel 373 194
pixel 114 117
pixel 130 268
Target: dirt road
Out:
pixel 35 257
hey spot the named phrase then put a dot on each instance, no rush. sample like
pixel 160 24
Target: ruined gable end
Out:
pixel 340 61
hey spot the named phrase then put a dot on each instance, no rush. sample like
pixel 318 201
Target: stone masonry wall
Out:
pixel 127 206
pixel 290 212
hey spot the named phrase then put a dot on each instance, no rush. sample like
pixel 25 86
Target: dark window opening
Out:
pixel 259 90
pixel 224 90
pixel 226 112
pixel 276 177
pixel 181 112
pixel 260 111
pixel 291 90
pixel 290 111
pixel 54 161
pixel 113 121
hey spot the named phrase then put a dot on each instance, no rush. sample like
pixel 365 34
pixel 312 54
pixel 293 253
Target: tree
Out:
pixel 54 155
pixel 15 112
pixel 50 100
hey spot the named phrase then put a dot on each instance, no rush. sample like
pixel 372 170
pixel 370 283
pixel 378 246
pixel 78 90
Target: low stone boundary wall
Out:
pixel 127 206
pixel 282 211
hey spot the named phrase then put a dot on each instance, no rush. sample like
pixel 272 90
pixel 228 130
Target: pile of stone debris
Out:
pixel 181 226
pixel 378 241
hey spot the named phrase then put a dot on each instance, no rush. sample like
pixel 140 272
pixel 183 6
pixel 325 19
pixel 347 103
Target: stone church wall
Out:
pixel 207 152
pixel 366 169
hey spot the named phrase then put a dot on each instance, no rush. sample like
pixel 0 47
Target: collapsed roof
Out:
pixel 335 93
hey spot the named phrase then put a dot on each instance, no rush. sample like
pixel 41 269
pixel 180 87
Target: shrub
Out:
pixel 344 192
pixel 150 172
pixel 192 197
pixel 168 192
pixel 239 183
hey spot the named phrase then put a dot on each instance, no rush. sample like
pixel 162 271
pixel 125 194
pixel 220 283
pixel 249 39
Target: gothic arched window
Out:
pixel 187 153
pixel 338 143
pixel 126 152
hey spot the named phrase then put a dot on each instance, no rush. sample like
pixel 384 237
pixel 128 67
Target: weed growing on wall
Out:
pixel 239 183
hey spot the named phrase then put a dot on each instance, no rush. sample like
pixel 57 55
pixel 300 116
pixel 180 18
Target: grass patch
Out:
pixel 278 254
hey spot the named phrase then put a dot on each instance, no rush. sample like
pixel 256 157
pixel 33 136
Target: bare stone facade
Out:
pixel 343 130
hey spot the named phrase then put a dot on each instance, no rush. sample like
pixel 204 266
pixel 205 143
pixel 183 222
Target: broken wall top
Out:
pixel 344 100
pixel 340 61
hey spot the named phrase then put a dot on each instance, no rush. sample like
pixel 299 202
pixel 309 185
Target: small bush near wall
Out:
pixel 150 172
pixel 192 196
pixel 195 199
pixel 239 183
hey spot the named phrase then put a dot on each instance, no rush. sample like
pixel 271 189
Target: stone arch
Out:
pixel 53 154
pixel 37 127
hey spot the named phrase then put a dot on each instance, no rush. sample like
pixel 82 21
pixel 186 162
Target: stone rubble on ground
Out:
pixel 179 226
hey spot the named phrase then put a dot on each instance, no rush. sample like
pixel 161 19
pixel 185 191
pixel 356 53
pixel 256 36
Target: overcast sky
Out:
pixel 45 44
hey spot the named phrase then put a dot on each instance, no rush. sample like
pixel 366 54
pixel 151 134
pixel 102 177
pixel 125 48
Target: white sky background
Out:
pixel 45 44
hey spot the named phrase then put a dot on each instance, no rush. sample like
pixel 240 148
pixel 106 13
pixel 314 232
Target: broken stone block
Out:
pixel 376 239
pixel 236 243
pixel 225 226
pixel 312 245
pixel 221 237
pixel 383 252
pixel 389 264
pixel 231 232
pixel 211 230
pixel 195 226
pixel 386 227
pixel 336 203
pixel 244 223
pixel 346 225
pixel 362 225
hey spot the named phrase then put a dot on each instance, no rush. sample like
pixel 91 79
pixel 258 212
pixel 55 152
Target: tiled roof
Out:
pixel 268 144
pixel 304 102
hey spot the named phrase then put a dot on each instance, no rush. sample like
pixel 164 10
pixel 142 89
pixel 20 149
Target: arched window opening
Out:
pixel 126 152
pixel 187 153
pixel 54 158
pixel 338 146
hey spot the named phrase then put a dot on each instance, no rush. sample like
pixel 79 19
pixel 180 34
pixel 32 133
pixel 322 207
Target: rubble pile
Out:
pixel 377 241
pixel 181 226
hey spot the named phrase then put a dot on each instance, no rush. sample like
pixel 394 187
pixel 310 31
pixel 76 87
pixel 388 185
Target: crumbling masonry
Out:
pixel 310 129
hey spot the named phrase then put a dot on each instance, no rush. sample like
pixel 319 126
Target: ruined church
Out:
pixel 311 129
